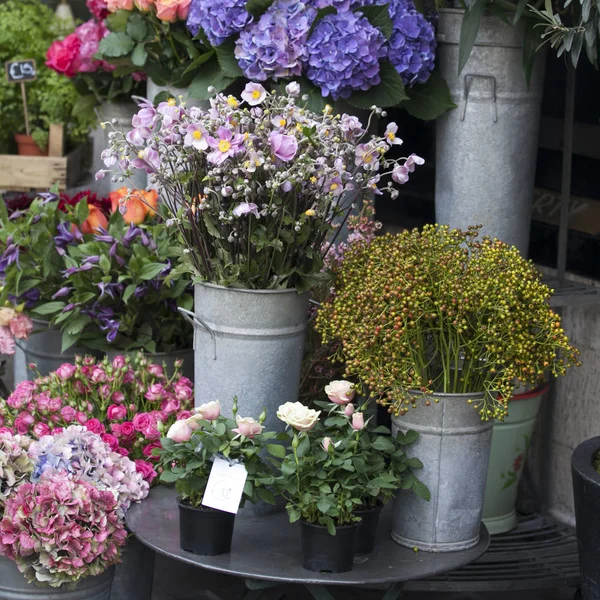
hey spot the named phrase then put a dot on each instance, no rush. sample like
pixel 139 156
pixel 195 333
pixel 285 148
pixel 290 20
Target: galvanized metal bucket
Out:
pixel 249 344
pixel 454 447
pixel 168 359
pixel 486 148
pixel 120 115
pixel 134 576
pixel 43 349
pixel 13 586
pixel 510 443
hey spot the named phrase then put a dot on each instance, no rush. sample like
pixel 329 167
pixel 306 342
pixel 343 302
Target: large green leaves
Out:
pixel 115 45
pixel 210 75
pixel 429 100
pixel 468 31
pixel 389 92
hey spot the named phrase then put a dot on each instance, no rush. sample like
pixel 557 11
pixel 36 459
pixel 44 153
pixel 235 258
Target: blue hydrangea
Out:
pixel 219 19
pixel 275 46
pixel 343 54
pixel 411 49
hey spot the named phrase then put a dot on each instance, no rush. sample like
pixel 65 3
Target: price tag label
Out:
pixel 20 70
pixel 225 486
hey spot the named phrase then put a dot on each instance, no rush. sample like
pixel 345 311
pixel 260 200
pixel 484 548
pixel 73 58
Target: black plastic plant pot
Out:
pixel 205 531
pixel 324 553
pixel 367 529
pixel 586 490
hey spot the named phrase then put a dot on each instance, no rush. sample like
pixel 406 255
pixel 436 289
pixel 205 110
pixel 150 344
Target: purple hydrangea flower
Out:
pixel 219 19
pixel 275 46
pixel 343 54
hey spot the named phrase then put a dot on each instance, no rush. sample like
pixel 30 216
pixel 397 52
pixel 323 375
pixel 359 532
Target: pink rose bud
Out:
pixel 118 397
pixel 358 421
pixel 65 371
pixel 81 417
pixel 340 392
pixel 349 410
pixel 326 444
pixel 247 427
pixel 155 370
pixel 210 411
pixel 179 432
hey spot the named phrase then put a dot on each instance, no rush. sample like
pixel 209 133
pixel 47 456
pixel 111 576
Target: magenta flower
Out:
pixel 284 147
pixel 225 146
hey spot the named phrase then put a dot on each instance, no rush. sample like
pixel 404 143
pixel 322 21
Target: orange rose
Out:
pixel 138 204
pixel 95 220
pixel 171 10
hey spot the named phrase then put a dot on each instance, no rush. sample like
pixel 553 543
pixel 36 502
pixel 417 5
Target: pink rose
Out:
pixel 118 397
pixel 6 430
pixel 179 432
pixel 115 5
pixel 118 362
pixel 80 387
pixel 115 429
pixel 41 429
pixel 104 390
pixel 7 341
pixel 326 443
pixel 210 410
pixel 63 55
pixel 151 432
pixel 183 392
pixel 68 413
pixel 116 412
pixel 171 10
pixel 284 146
pixel 170 406
pixel 81 417
pixel 184 414
pixel 21 326
pixel 340 392
pixel 155 392
pixel 147 450
pixel 247 426
pixel 122 451
pixel 98 8
pixel 66 371
pixel 127 431
pixel 156 370
pixel 129 377
pixel 142 421
pixel 54 404
pixel 145 469
pixel 358 421
pixel 95 426
pixel 143 5
pixel 110 440
pixel 349 410
pixel 98 375
pixel 21 426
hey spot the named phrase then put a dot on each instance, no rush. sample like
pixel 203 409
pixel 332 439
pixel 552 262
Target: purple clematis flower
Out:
pixel 30 297
pixel 140 291
pixel 67 237
pixel 48 197
pixel 110 289
pixel 72 270
pixel 130 235
pixel 64 291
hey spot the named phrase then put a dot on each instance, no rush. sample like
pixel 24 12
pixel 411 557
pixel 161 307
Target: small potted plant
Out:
pixel 380 461
pixel 438 326
pixel 188 454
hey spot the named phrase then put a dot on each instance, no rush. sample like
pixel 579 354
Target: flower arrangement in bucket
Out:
pixel 191 451
pixel 126 401
pixel 70 486
pixel 437 318
pixel 337 474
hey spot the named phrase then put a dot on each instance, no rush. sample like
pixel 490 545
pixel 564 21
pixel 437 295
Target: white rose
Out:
pixel 298 416
pixel 6 316
pixel 340 392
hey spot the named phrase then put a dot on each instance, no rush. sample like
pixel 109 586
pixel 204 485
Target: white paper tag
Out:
pixel 225 486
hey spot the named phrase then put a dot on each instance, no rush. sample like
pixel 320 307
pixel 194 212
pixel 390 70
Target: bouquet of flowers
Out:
pixel 127 401
pixel 97 81
pixel 255 184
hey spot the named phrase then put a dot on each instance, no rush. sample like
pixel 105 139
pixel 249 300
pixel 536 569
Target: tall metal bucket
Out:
pixel 486 148
pixel 454 447
pixel 249 344
pixel 43 349
pixel 13 586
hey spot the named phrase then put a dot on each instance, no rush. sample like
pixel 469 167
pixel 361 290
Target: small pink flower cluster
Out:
pixel 342 392
pixel 13 325
pixel 128 402
pixel 61 529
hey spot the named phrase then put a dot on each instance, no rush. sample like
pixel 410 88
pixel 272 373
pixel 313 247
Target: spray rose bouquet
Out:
pixel 255 184
pixel 188 450
pixel 127 401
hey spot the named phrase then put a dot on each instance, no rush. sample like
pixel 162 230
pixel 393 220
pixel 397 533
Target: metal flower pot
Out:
pixel 134 576
pixel 249 344
pixel 510 443
pixel 454 447
pixel 13 586
pixel 586 492
pixel 168 359
pixel 486 148
pixel 119 114
pixel 43 349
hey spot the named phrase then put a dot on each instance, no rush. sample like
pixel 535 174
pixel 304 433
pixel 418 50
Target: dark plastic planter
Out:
pixel 367 529
pixel 205 531
pixel 324 553
pixel 586 490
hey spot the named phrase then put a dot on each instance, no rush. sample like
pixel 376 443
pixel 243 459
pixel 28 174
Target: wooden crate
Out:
pixel 25 173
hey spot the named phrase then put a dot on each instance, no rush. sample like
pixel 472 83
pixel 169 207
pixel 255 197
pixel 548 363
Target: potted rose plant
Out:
pixel 189 451
pixel 436 318
pixel 259 183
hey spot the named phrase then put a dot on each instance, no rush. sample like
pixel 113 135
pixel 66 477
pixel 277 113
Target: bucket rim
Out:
pixel 249 291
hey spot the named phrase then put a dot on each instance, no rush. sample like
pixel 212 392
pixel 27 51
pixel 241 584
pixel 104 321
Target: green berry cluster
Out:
pixel 438 310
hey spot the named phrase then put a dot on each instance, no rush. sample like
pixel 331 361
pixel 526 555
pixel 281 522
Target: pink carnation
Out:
pixel 21 326
pixel 7 341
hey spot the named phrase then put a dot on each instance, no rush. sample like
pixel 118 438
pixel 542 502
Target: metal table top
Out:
pixel 268 548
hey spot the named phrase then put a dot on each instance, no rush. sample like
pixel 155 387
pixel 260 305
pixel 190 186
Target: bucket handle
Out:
pixel 196 321
pixel 466 95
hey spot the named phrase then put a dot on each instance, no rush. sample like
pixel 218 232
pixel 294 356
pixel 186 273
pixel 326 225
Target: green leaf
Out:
pixel 531 41
pixel 324 504
pixel 294 515
pixel 151 270
pixel 330 527
pixel 378 16
pixel 68 340
pixel 276 450
pixel 429 100
pixel 49 308
pixel 137 29
pixel 469 30
pixel 288 468
pixel 383 444
pixel 115 45
pixel 117 21
pixel 227 60
pixel 168 477
pixel 389 92
pixel 210 75
pixel 258 7
pixel 421 490
pixel 521 6
pixel 414 463
pixel 76 325
pixel 198 61
pixel 139 56
pixel 84 107
pixel 211 225
pixel 104 264
pixel 409 437
pixel 128 292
